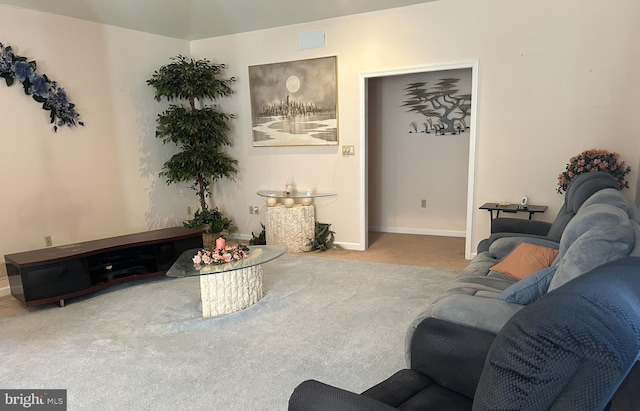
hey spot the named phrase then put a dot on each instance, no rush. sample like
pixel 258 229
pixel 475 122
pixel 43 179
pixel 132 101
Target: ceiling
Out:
pixel 197 19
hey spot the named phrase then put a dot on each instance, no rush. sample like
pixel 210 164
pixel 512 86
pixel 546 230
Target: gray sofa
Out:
pixel 580 189
pixel 573 349
pixel 605 227
pixel 474 347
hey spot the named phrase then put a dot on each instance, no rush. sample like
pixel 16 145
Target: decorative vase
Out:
pixel 209 240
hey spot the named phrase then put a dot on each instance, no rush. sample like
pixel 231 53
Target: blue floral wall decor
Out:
pixel 47 92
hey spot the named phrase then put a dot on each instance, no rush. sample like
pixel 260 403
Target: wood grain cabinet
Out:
pixel 55 274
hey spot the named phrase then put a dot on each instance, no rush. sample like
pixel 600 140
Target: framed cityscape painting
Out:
pixel 294 103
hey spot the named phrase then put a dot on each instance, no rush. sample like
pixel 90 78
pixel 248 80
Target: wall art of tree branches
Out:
pixel 446 110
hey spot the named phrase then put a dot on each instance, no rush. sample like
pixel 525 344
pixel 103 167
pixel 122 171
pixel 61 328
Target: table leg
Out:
pixel 230 291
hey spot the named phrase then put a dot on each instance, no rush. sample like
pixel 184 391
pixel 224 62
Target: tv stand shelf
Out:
pixel 55 274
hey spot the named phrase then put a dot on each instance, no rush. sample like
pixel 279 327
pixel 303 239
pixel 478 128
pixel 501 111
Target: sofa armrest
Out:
pixel 485 314
pixel 451 354
pixel 518 225
pixel 313 395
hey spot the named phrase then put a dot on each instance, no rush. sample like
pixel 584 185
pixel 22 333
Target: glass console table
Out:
pixel 228 287
pixel 291 218
pixel 304 197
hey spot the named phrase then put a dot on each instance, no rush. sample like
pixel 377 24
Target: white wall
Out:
pixel 555 78
pixel 406 168
pixel 93 181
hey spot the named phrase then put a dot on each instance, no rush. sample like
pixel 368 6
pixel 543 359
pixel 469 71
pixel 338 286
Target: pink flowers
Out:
pixel 594 160
pixel 220 256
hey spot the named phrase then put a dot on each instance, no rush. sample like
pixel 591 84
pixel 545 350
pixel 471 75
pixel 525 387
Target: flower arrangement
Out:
pixel 594 160
pixel 220 255
pixel 53 97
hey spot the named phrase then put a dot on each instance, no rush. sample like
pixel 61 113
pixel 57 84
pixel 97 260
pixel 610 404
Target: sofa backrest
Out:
pixel 580 189
pixel 604 229
pixel 571 349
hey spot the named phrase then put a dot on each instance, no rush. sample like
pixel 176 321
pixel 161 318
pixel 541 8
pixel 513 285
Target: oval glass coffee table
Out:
pixel 228 287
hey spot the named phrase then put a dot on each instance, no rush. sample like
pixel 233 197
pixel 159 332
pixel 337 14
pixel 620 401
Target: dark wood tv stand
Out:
pixel 55 274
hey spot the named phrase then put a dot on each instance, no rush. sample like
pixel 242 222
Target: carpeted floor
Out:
pixel 407 249
pixel 144 345
pixel 390 248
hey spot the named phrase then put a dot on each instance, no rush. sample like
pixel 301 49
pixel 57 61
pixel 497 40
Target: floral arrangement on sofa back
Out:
pixel 594 160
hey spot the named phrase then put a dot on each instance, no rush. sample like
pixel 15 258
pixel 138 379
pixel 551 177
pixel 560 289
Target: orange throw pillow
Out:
pixel 526 259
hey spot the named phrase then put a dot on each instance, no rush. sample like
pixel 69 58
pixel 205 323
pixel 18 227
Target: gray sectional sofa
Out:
pixel 565 337
pixel 603 226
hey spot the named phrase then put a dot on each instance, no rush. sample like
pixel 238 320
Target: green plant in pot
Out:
pixel 323 238
pixel 210 221
pixel 260 239
pixel 199 129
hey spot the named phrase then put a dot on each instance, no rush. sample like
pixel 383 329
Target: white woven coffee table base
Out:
pixel 231 291
pixel 293 226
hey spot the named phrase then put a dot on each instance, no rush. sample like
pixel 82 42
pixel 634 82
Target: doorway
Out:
pixel 418 132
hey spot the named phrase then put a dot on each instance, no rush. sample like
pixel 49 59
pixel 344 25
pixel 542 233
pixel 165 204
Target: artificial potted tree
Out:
pixel 200 130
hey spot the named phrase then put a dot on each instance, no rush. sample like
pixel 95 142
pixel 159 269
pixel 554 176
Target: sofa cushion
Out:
pixel 580 189
pixel 530 288
pixel 571 349
pixel 501 247
pixel 488 314
pixel 471 285
pixel 526 259
pixel 598 234
pixel 615 198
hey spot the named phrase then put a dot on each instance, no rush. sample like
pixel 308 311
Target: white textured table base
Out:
pixel 231 291
pixel 292 227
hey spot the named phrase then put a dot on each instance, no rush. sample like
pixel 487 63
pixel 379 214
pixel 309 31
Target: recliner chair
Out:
pixel 580 189
pixel 569 350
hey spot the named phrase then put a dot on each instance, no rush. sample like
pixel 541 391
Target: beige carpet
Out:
pixel 389 248
pixel 407 249
pixel 338 321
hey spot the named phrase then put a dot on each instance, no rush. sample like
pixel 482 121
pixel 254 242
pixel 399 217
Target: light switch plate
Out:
pixel 348 150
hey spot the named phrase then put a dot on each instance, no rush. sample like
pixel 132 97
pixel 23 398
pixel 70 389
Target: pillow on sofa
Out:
pixel 526 259
pixel 529 289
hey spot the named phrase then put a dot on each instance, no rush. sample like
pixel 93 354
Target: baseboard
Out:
pixel 350 246
pixel 5 291
pixel 421 231
pixel 346 246
pixel 358 246
pixel 242 237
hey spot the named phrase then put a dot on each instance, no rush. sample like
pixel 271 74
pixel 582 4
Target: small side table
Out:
pixel 512 208
pixel 291 218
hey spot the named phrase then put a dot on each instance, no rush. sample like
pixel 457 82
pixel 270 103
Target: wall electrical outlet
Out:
pixel 423 203
pixel 254 210
pixel 188 210
pixel 48 242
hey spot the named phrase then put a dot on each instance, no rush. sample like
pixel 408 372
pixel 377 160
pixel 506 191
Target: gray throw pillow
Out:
pixel 530 288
